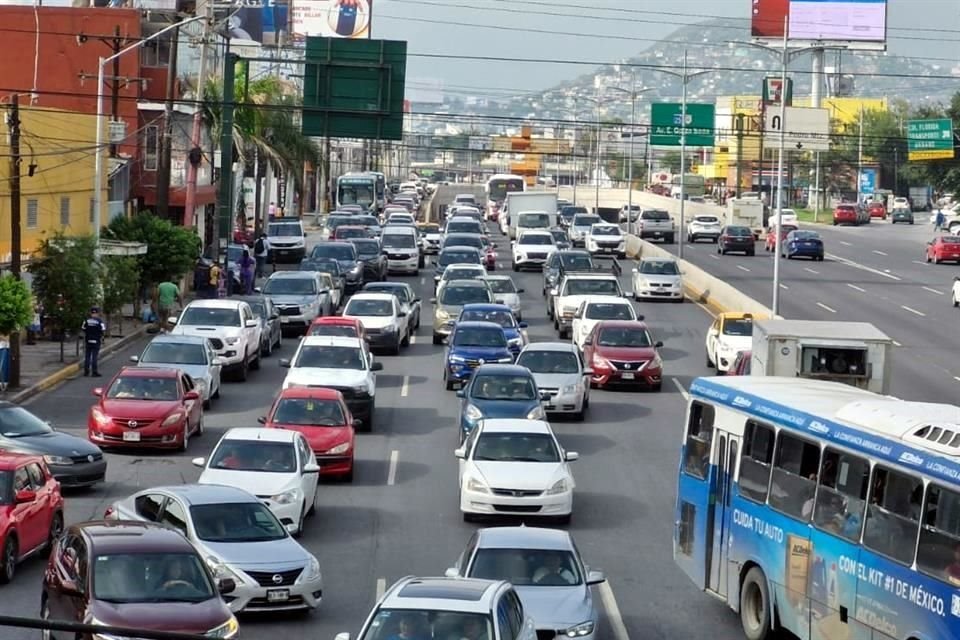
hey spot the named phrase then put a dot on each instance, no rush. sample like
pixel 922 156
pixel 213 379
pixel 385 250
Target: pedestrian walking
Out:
pixel 168 294
pixel 247 272
pixel 261 249
pixel 940 219
pixel 94 331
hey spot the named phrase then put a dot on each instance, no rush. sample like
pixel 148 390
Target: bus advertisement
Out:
pixel 498 186
pixel 357 188
pixel 824 510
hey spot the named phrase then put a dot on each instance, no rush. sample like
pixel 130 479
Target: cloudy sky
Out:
pixel 594 30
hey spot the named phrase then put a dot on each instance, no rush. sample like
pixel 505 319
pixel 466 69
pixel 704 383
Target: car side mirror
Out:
pixel 218 362
pixel 226 585
pixel 342 636
pixel 97 391
pixel 357 423
pixel 24 496
pixel 250 324
pixel 199 462
pixel 635 270
pixel 553 292
pixel 311 467
pixel 285 363
pixel 134 359
pixel 461 393
pixel 274 316
pixel 521 290
pixel 191 395
pixel 523 325
pixel 433 301
pixel 595 577
pixel 172 320
pixel 460 453
pixel 639 317
pixel 376 366
pixel 256 290
pixel 588 372
pixel 588 341
pixel 402 314
pixel 570 456
pixel 262 419
pixel 416 299
pixel 452 572
pixel 70 588
pixel 658 344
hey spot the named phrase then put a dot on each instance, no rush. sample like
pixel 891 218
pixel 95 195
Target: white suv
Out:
pixel 532 248
pixel 287 240
pixel 385 323
pixel 232 328
pixel 606 239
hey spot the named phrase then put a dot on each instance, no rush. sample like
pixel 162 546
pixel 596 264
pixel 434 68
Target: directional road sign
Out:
pixel 803 129
pixel 930 139
pixel 667 126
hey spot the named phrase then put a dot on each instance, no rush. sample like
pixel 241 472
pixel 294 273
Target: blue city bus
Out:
pixel 381 190
pixel 821 509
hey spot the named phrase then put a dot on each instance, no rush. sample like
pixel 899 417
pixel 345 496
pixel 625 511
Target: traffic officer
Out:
pixel 94 330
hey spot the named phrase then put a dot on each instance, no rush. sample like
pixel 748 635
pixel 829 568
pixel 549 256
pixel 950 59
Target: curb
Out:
pixel 70 370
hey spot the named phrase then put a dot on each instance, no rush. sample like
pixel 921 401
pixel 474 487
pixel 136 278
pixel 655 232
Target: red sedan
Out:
pixel 337 326
pixel 146 407
pixel 771 242
pixel 846 214
pixel 31 510
pixel 877 210
pixel 943 248
pixel 621 352
pixel 322 416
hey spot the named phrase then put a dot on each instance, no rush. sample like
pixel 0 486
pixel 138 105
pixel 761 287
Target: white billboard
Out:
pixel 803 129
pixel 852 24
pixel 331 18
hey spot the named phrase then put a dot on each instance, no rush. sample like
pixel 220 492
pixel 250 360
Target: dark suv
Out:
pixel 139 575
pixel 735 239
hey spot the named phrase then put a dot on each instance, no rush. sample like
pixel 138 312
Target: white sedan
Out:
pixel 515 467
pixel 597 308
pixel 385 322
pixel 276 465
pixel 787 216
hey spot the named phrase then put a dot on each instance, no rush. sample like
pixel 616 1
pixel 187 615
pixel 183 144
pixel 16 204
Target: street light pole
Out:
pixel 596 171
pixel 779 221
pixel 633 93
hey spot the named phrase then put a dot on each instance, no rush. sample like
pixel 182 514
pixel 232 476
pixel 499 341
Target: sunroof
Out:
pixel 445 589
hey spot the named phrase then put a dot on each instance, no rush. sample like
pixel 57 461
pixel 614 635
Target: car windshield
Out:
pixel 143 388
pixel 948 239
pixel 812 235
pixel 463 226
pixel 575 261
pixel 335 221
pixel 347 233
pixel 6 487
pixel 570 211
pixel 453 257
pixel 655 215
pixel 307 412
pixel 16 422
pixel 536 239
pixel 504 387
pixel 527 567
pixel 471 240
pixel 559 236
pixel 174 353
pixel 659 267
pixel 290 286
pixel 458 295
pixel 124 578
pixel 285 230
pixel 740 232
pixel 400 218
pixel 210 316
pixel 586 221
pixel 255 455
pixel 330 357
pixel 366 221
pixel 236 522
pixel 608 311
pixel 738 327
pixel 337 330
pixel 549 361
pixel 606 230
pixel 399 291
pixel 324 265
pixel 399 241
pixel 335 251
pixel 592 287
pixel 258 307
pixel 461 273
pixel 479 337
pixel 502 285
pixel 516 447
pixel 422 624
pixel 369 308
pixel 624 337
pixel 501 317
pixel 430 228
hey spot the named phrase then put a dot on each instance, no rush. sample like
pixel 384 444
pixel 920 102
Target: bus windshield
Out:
pixel 498 188
pixel 356 192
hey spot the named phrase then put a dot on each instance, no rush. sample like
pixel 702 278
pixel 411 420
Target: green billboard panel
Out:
pixel 667 126
pixel 930 139
pixel 354 88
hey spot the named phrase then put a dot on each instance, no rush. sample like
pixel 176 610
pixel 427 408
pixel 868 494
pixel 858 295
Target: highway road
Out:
pixel 874 273
pixel 400 516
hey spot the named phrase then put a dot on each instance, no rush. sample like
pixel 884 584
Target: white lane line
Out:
pixel 856 265
pixel 919 262
pixel 405 387
pixel 392 471
pixel 897 344
pixel 879 253
pixel 743 268
pixel 957 378
pixel 823 306
pixel 856 288
pixel 613 612
pixel 422 280
pixel 381 587
pixel 813 271
pixel 913 311
pixel 714 256
pixel 679 386
pixel 939 293
pixel 784 287
pixel 413 339
pixel 846 244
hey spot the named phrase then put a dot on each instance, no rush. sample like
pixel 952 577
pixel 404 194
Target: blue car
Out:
pixel 498 314
pixel 498 391
pixel 470 345
pixel 803 243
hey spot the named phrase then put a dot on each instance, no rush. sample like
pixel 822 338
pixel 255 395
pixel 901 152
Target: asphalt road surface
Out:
pixel 400 515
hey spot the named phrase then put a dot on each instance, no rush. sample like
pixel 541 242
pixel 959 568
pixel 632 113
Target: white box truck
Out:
pixel 521 204
pixel 745 213
pixel 855 353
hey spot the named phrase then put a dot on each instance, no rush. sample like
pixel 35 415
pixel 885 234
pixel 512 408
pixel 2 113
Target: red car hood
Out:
pixel 626 353
pixel 184 617
pixel 139 409
pixel 320 438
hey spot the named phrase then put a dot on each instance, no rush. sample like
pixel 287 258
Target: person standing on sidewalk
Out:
pixel 168 294
pixel 261 249
pixel 94 331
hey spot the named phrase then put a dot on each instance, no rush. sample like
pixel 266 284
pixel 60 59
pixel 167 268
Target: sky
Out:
pixel 604 31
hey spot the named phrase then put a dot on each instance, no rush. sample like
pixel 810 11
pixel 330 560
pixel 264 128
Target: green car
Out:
pixel 901 215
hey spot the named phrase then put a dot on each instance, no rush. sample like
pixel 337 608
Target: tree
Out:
pixel 171 250
pixel 670 161
pixel 16 305
pixel 120 276
pixel 66 279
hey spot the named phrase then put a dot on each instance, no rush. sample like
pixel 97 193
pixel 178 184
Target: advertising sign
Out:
pixel 868 181
pixel 331 18
pixel 667 125
pixel 261 23
pixel 930 139
pixel 804 129
pixel 773 91
pixel 857 24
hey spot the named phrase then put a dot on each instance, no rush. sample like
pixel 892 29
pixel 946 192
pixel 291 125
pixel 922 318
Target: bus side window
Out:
pixel 699 437
pixel 893 514
pixel 755 461
pixel 939 552
pixel 842 494
pixel 794 476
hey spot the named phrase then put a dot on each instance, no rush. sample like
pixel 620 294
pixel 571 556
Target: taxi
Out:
pixel 729 334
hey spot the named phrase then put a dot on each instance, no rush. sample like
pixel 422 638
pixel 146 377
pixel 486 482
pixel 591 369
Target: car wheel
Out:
pixel 8 561
pixel 279 340
pixel 820 258
pixel 565 519
pixel 928 257
pixel 564 333
pixel 709 361
pixel 751 252
pixel 755 606
pixel 395 349
pixel 243 371
pixel 267 349
pixel 348 476
pixel 516 268
pixel 255 363
pixel 300 522
pixel 936 259
pixel 206 403
pixel 449 384
pixel 200 426
pixel 437 339
pixel 216 394
pixel 656 387
pixel 56 528
pixel 469 517
pixel 406 339
pixel 956 302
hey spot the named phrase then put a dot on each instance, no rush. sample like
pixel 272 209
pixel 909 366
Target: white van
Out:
pixel 288 240
pixel 402 246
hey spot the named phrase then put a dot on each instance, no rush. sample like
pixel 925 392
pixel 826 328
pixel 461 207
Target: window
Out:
pixel 151 146
pixel 37 477
pixel 175 516
pixel 893 514
pixel 33 213
pixel 21 480
pixel 699 436
pixel 755 462
pixel 842 494
pixel 939 552
pixel 794 476
pixel 515 612
pixel 148 506
pixel 503 620
pixel 156 53
pixel 64 211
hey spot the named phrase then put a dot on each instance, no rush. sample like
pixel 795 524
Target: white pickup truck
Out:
pixel 573 290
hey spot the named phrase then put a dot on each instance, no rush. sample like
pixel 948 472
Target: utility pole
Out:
pixel 574 158
pixel 225 195
pixel 596 175
pixel 860 160
pixel 738 120
pixel 163 170
pixel 13 123
pixel 785 59
pixel 115 45
pixel 205 9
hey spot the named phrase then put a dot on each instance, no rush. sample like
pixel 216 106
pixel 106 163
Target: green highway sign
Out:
pixel 930 139
pixel 667 126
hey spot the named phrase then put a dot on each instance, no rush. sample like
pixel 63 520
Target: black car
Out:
pixel 373 258
pixel 271 336
pixel 559 262
pixel 566 214
pixel 346 255
pixel 734 239
pixel 560 238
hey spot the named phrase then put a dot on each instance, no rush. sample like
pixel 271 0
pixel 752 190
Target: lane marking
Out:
pixel 862 267
pixel 679 386
pixel 813 271
pixel 879 253
pixel 613 612
pixel 897 344
pixel 919 262
pixel 957 378
pixel 423 280
pixel 939 293
pixel 914 311
pixel 392 471
pixel 714 256
pixel 743 268
pixel 381 587
pixel 855 287
pixel 846 244
pixel 784 287
pixel 405 387
pixel 413 339
pixel 823 306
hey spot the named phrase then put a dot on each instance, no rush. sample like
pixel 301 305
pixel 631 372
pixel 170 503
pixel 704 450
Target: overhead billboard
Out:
pixel 853 24
pixel 331 19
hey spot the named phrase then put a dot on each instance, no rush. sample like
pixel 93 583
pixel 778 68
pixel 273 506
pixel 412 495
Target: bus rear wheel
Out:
pixel 755 612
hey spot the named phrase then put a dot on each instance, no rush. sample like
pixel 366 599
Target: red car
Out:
pixel 741 365
pixel 621 352
pixel 31 510
pixel 943 248
pixel 877 210
pixel 337 326
pixel 770 243
pixel 146 407
pixel 489 254
pixel 846 214
pixel 323 418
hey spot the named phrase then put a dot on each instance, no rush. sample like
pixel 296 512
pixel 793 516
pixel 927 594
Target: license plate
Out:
pixel 626 376
pixel 284 319
pixel 608 250
pixel 131 436
pixel 657 233
pixel 278 595
pixel 548 407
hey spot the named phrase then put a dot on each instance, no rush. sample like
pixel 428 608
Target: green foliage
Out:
pixel 121 277
pixel 66 266
pixel 171 250
pixel 16 305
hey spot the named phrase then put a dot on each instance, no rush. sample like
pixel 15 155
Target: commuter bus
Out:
pixel 694 186
pixel 825 510
pixel 381 189
pixel 358 188
pixel 498 186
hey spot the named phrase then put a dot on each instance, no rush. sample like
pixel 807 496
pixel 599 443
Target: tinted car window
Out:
pixel 458 295
pixel 448 257
pixel 659 268
pixel 290 286
pixel 309 411
pixel 740 232
pixel 536 239
pixel 656 214
pixel 328 357
pixel 335 251
pixel 171 353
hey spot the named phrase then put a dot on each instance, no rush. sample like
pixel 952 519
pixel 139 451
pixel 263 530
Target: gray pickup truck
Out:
pixel 656 224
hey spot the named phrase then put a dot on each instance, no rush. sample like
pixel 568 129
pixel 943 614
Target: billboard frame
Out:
pixel 808 43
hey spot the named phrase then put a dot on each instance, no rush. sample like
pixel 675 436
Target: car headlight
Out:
pixel 515 342
pixel 173 419
pixel 361 388
pixel 58 460
pixel 505 360
pixel 656 363
pixel 287 497
pixel 537 413
pixel 233 340
pixel 442 315
pixel 569 389
pixel 221 571
pixel 227 630
pixel 390 329
pixel 580 630
pixel 456 359
pixel 472 413
pixel 99 416
pixel 312 572
pixel 477 486
pixel 340 448
pixel 560 486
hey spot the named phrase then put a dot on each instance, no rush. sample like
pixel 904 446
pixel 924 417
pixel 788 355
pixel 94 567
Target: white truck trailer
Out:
pixel 522 202
pixel 745 213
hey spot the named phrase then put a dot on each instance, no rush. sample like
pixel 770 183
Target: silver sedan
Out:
pixel 561 376
pixel 193 355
